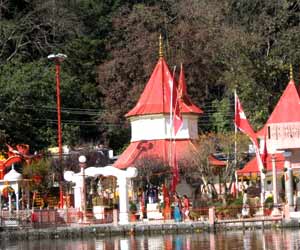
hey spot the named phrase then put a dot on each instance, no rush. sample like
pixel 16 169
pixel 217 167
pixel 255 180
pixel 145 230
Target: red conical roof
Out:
pixel 156 96
pixel 287 108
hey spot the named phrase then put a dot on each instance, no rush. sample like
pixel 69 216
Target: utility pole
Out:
pixel 58 59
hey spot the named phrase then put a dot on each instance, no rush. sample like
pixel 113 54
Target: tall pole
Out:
pixel 59 137
pixel 82 164
pixel 58 59
pixel 235 147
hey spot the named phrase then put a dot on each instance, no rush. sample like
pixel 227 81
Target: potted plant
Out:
pixel 268 205
pixel 132 211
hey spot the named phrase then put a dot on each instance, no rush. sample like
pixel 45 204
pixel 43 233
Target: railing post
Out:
pixel 211 216
pixel 287 211
pixel 115 217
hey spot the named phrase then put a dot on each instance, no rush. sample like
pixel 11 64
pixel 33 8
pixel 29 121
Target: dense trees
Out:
pixel 112 47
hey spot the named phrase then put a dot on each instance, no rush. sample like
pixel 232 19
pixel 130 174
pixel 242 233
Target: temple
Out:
pixel 280 138
pixel 151 122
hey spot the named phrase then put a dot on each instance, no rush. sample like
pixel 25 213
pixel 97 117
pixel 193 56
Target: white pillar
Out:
pixel 262 192
pixel 28 198
pixel 274 173
pixel 83 192
pixel 288 177
pixel 275 211
pixel 77 197
pixel 17 200
pixel 9 202
pixel 123 200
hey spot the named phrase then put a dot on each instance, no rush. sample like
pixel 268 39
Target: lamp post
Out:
pixel 82 164
pixel 58 59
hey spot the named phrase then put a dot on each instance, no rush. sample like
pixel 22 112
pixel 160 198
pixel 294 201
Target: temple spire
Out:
pixel 291 72
pixel 161 54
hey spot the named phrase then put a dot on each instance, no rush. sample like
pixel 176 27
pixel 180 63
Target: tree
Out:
pixel 199 166
pixel 39 174
pixel 29 104
pixel 151 171
pixel 223 117
pixel 235 160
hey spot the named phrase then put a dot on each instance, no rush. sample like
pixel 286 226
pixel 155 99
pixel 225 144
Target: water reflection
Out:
pixel 248 240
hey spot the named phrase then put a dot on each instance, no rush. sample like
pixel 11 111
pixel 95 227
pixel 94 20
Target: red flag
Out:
pixel 177 95
pixel 242 123
pixel 265 153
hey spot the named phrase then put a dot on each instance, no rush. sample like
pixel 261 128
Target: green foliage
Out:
pixel 39 174
pixel 221 119
pixel 132 207
pixel 112 49
pixel 40 167
pixel 269 202
pixel 238 202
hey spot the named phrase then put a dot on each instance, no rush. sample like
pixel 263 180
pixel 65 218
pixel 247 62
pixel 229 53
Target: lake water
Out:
pixel 249 240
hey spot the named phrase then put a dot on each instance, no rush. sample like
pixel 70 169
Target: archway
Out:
pixel 122 181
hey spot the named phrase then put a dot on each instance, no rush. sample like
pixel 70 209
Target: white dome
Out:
pixel 12 175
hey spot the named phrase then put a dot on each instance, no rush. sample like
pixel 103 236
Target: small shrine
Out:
pixel 14 189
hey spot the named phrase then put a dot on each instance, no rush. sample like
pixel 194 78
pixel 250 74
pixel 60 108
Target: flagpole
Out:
pixel 171 117
pixel 243 125
pixel 235 145
pixel 171 150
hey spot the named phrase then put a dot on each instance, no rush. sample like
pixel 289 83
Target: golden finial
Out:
pixel 161 54
pixel 291 72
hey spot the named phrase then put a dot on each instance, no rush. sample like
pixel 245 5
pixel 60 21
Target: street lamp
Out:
pixel 82 164
pixel 58 59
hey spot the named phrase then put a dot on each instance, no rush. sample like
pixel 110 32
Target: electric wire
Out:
pixel 210 112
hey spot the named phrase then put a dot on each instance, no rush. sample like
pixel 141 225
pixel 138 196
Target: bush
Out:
pixel 237 202
pixel 132 207
pixel 269 202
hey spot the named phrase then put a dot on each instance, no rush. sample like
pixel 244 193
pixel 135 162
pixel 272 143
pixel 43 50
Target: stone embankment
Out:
pixel 140 228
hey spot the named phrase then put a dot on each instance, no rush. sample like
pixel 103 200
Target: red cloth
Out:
pixel 265 153
pixel 177 95
pixel 242 122
pixel 186 203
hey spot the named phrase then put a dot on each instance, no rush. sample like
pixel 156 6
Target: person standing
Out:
pixel 177 208
pixel 186 207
